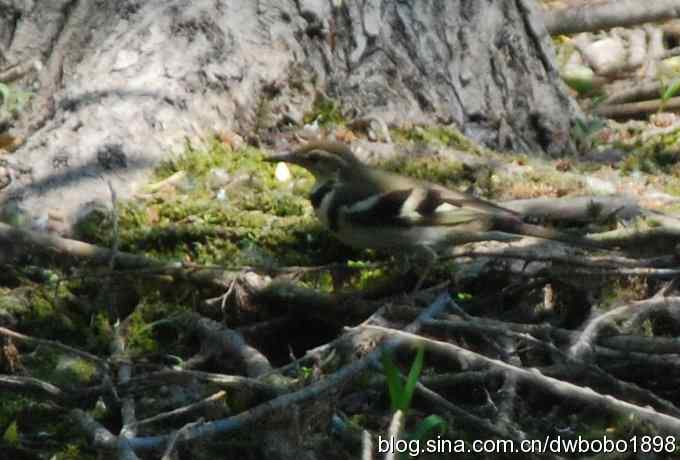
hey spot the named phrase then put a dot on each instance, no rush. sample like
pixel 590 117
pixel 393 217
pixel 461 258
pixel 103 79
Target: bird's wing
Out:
pixel 436 194
pixel 415 207
pixel 465 200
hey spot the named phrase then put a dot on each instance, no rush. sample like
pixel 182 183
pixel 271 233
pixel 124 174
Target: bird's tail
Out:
pixel 522 228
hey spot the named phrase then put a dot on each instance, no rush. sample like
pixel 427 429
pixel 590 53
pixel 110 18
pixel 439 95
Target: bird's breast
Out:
pixel 322 197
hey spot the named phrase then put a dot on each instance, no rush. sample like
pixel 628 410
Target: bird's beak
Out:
pixel 285 157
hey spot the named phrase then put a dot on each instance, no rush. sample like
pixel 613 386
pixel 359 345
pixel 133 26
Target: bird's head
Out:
pixel 322 159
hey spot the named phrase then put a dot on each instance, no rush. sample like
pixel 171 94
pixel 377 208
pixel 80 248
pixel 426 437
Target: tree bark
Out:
pixel 125 83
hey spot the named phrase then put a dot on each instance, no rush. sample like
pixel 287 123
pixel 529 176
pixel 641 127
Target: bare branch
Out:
pixel 619 13
pixel 54 344
pixel 664 423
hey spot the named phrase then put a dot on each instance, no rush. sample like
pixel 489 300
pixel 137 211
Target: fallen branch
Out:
pixel 54 344
pixel 637 109
pixel 220 339
pixel 635 92
pixel 167 454
pixel 619 13
pixel 188 409
pixel 577 261
pixel 664 423
pixel 584 209
pixel 33 386
pixel 589 372
pixel 33 242
pixel 310 392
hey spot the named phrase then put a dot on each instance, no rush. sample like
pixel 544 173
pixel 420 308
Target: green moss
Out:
pixel 11 435
pixel 60 437
pixel 10 404
pixel 48 310
pixel 252 213
pixel 659 154
pixel 325 112
pixel 71 452
pixel 368 277
pixel 432 168
pixel 13 303
pixel 140 337
pixel 102 332
pixel 437 136
pixel 79 370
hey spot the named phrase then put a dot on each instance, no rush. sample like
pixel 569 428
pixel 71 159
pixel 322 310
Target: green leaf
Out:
pixel 579 77
pixel 671 90
pixel 428 425
pixel 393 380
pixel 11 435
pixel 4 92
pixel 412 379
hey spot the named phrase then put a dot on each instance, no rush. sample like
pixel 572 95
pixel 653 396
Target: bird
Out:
pixel 369 208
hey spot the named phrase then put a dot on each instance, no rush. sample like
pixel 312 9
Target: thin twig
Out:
pixel 54 344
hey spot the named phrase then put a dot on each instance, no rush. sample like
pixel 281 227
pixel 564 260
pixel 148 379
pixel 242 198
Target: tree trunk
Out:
pixel 124 83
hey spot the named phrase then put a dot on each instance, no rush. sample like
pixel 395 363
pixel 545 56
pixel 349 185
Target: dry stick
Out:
pixel 33 386
pixel 396 426
pixel 636 92
pixel 367 446
pixel 179 376
pixel 101 437
pixel 118 345
pixel 228 341
pixel 230 382
pixel 632 109
pixel 54 344
pixel 225 340
pixel 663 273
pixel 645 308
pixel 114 248
pixel 313 391
pixel 465 417
pixel 36 242
pixel 584 209
pixel 167 454
pixel 619 13
pixel 622 344
pixel 317 352
pixel 593 327
pixel 584 261
pixel 605 379
pixel 206 402
pixel 128 403
pixel 663 422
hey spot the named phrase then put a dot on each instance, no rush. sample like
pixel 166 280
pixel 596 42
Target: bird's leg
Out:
pixel 429 257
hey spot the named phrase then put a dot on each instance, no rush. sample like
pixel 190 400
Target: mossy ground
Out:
pixel 657 155
pixel 214 205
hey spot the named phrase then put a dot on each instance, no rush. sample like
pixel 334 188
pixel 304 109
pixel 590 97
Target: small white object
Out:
pixel 282 173
pixel 606 55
